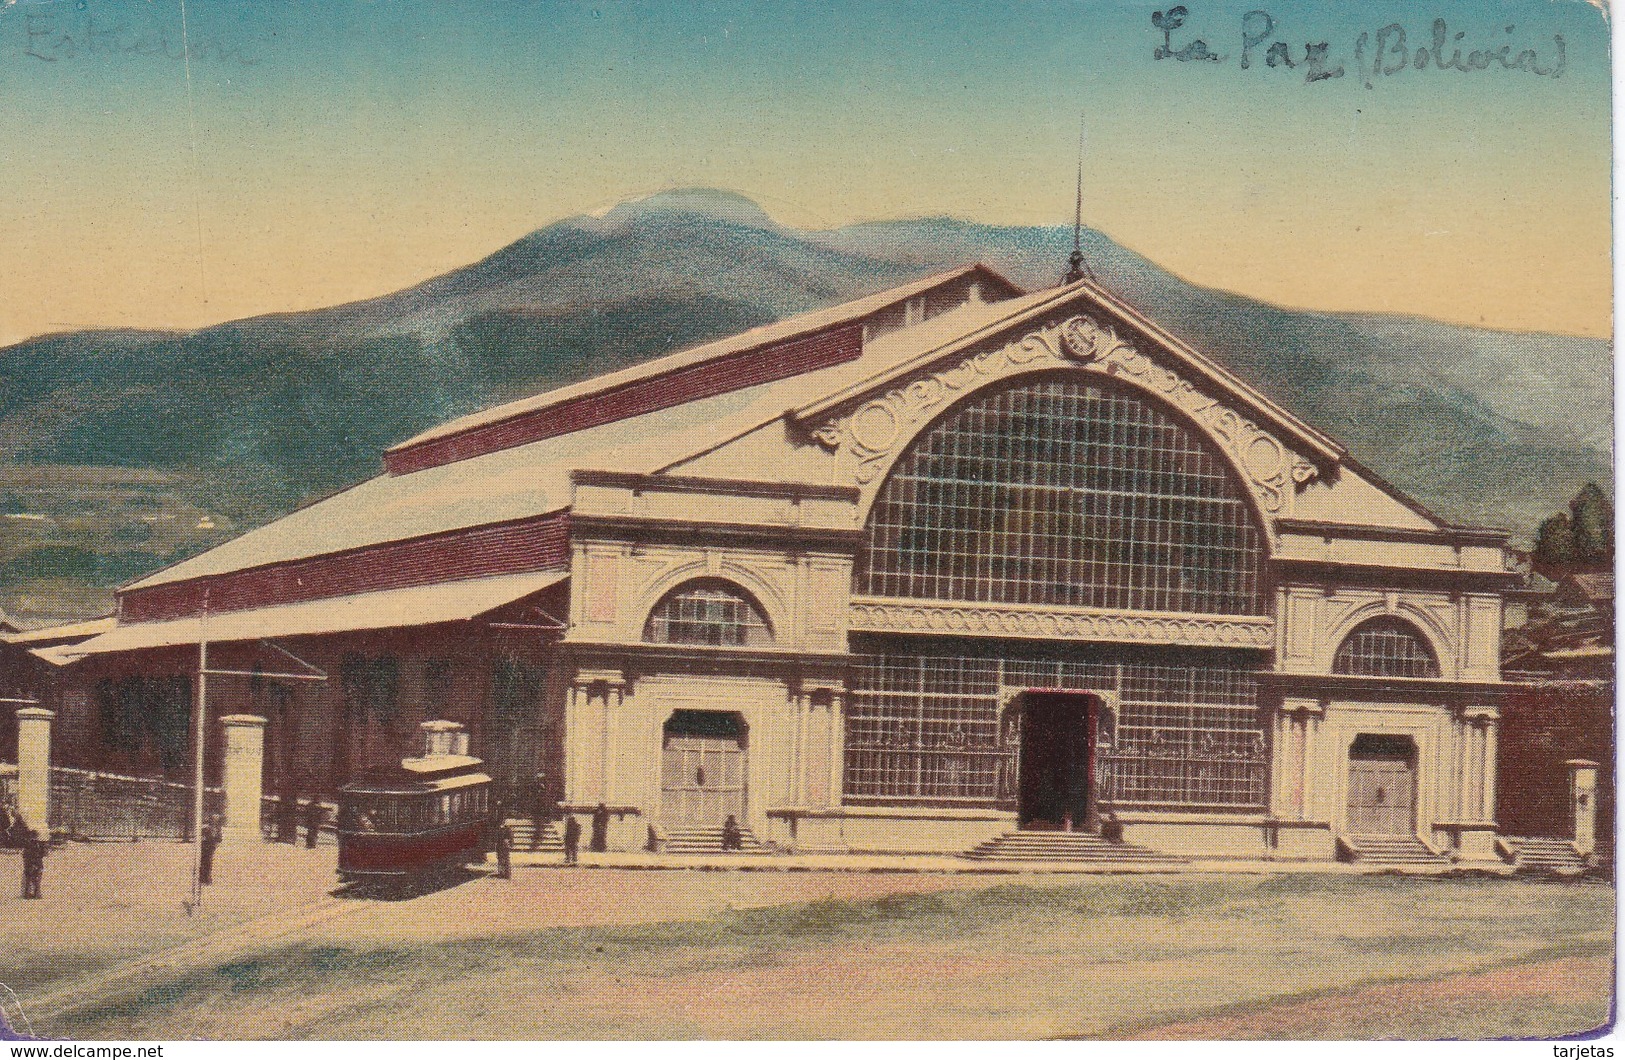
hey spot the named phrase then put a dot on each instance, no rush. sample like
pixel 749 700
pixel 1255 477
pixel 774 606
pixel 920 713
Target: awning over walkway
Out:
pixel 424 605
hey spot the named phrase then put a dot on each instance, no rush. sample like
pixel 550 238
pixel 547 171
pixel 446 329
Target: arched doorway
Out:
pixel 1056 760
pixel 702 768
pixel 1382 785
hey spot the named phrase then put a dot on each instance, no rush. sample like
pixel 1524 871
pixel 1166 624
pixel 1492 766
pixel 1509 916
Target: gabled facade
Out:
pixel 900 575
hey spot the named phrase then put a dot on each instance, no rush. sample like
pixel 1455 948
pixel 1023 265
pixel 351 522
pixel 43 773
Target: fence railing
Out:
pixel 1230 781
pixel 91 805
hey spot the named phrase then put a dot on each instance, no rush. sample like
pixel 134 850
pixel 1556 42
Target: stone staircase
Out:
pixel 1398 850
pixel 709 841
pixel 522 831
pixel 1544 855
pixel 1066 846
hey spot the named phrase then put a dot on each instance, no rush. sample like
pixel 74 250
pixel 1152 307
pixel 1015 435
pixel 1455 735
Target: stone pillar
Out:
pixel 1583 800
pixel 803 704
pixel 34 767
pixel 1475 827
pixel 837 748
pixel 614 699
pixel 242 778
pixel 1492 739
pixel 1301 720
pixel 573 695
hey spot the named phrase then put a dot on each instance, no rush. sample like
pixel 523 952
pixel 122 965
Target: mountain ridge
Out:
pixel 249 418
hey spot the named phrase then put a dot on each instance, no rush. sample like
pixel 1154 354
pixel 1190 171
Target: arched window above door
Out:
pixel 1386 647
pixel 708 611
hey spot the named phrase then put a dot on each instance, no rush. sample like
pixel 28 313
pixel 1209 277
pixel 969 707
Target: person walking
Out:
pixel 34 848
pixel 315 817
pixel 600 829
pixel 572 839
pixel 211 843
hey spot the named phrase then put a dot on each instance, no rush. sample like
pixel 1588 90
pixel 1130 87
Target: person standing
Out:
pixel 211 843
pixel 315 817
pixel 600 829
pixel 502 843
pixel 572 839
pixel 34 848
pixel 287 815
pixel 541 810
pixel 732 838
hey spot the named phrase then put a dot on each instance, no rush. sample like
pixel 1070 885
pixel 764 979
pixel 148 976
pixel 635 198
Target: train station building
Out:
pixel 938 565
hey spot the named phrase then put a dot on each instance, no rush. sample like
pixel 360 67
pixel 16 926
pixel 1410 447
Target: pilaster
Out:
pixel 243 777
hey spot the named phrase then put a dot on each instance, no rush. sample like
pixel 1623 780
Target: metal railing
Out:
pixel 1178 778
pixel 91 805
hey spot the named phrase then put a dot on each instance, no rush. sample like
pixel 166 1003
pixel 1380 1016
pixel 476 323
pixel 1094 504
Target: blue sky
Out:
pixel 344 148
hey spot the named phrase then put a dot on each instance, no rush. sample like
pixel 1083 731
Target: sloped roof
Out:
pixel 765 335
pixel 63 634
pixel 1596 587
pixel 534 479
pixel 423 605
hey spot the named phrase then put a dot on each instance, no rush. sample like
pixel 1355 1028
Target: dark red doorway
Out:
pixel 1057 761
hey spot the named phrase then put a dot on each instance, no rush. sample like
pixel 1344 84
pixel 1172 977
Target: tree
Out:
pixel 1583 536
pixel 1554 542
pixel 1593 525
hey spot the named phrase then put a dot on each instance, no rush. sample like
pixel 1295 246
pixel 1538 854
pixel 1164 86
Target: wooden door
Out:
pixel 1382 795
pixel 702 781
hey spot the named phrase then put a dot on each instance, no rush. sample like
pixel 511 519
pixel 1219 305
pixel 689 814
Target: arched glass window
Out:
pixel 1069 492
pixel 1386 647
pixel 709 611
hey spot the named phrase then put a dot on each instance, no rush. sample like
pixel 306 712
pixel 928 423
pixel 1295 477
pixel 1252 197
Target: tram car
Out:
pixel 426 816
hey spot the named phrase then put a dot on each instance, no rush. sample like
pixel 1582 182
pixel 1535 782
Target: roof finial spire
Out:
pixel 1076 268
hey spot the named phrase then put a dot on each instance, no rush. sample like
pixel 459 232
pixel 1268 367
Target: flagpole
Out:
pixel 198 739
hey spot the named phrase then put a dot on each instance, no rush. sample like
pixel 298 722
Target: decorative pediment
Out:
pixel 869 439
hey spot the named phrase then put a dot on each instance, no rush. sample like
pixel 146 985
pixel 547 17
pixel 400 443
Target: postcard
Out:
pixel 528 520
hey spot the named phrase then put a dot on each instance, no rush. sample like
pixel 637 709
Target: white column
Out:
pixel 243 777
pixel 1583 799
pixel 1456 805
pixel 1481 744
pixel 837 748
pixel 572 744
pixel 34 767
pixel 802 705
pixel 1300 725
pixel 1280 765
pixel 1491 729
pixel 614 695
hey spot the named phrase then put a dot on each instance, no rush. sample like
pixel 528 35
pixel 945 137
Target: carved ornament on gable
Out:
pixel 875 432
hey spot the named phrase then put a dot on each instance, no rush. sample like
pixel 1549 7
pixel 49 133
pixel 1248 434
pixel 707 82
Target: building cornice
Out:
pixel 1320 572
pixel 954 618
pixel 1433 687
pixel 1451 535
pixel 718 486
pixel 698 658
pixel 651 529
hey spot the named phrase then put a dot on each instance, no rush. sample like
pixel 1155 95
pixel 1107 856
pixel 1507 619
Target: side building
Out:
pixel 901 575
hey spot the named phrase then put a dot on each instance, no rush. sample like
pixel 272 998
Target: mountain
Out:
pixel 124 450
